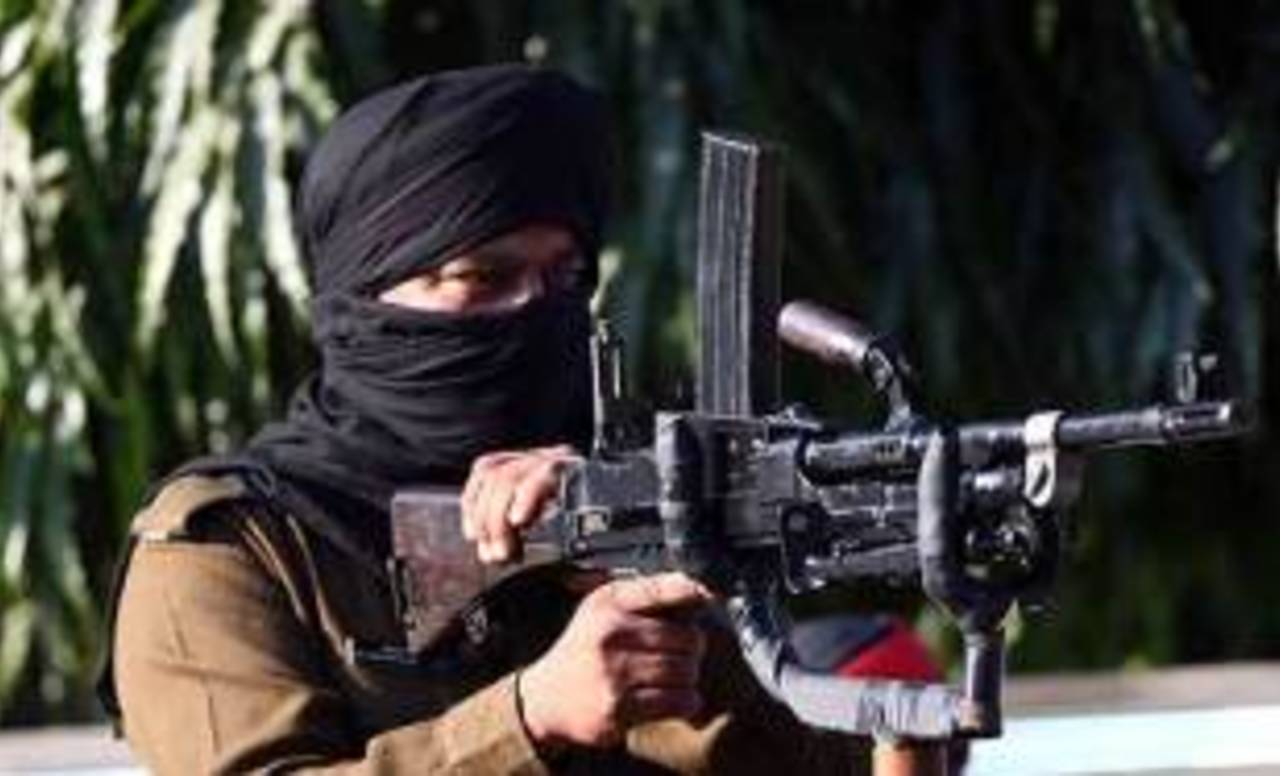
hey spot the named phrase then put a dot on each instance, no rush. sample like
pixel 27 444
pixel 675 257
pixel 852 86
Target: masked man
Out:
pixel 451 225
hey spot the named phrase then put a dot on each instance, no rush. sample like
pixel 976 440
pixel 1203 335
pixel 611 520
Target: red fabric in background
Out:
pixel 899 654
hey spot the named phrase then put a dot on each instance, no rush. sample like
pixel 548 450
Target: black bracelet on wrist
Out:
pixel 547 752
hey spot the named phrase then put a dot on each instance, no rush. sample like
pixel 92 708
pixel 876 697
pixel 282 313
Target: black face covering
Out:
pixel 404 181
pixel 412 397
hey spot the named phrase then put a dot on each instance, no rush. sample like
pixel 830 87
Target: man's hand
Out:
pixel 506 493
pixel 910 758
pixel 619 663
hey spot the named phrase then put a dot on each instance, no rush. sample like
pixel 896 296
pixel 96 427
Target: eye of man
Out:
pixel 481 276
pixel 499 277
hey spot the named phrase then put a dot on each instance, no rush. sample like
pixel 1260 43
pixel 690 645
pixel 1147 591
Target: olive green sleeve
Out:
pixel 216 674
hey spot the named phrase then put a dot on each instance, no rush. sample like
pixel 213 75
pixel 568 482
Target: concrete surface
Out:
pixel 1215 720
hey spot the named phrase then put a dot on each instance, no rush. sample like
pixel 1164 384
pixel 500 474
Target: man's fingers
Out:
pixel 506 491
pixel 492 531
pixel 647 704
pixel 537 487
pixel 655 593
pixel 472 492
pixel 653 634
pixel 479 467
pixel 513 492
pixel 659 669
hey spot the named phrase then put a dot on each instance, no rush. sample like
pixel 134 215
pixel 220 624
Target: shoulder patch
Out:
pixel 169 513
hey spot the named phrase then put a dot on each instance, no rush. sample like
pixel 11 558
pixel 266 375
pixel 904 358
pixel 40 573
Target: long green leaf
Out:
pixel 93 47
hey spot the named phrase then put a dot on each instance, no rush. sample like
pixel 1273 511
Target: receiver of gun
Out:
pixel 812 507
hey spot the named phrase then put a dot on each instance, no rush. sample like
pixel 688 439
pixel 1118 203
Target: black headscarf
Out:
pixel 403 181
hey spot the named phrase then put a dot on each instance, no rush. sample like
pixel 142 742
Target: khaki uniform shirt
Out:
pixel 233 652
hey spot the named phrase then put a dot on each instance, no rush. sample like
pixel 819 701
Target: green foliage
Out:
pixel 144 207
pixel 1044 199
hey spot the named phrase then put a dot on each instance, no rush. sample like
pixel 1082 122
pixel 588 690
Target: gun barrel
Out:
pixel 856 453
pixel 1160 425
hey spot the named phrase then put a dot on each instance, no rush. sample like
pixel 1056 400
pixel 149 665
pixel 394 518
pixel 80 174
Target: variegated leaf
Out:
pixel 181 66
pixel 93 47
pixel 178 197
pixel 217 220
pixel 275 221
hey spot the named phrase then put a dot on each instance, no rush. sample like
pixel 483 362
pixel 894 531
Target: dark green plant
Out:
pixel 144 203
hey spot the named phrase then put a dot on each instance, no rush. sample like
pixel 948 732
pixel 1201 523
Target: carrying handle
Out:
pixel 842 341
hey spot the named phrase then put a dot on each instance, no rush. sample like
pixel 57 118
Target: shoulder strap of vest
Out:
pixel 280 494
pixel 168 515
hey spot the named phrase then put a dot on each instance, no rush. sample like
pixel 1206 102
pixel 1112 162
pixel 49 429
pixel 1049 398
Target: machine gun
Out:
pixel 759 505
